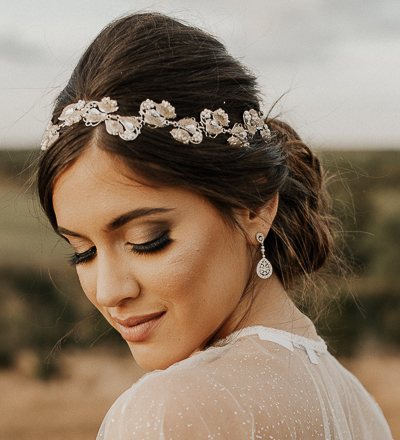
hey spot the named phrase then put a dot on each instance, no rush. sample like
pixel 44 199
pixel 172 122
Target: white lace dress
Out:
pixel 261 383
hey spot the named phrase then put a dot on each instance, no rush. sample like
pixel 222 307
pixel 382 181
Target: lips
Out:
pixel 138 328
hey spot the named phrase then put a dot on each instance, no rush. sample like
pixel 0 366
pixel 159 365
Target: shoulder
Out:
pixel 187 383
pixel 213 392
pixel 249 387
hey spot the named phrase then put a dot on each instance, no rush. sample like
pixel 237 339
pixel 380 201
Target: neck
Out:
pixel 270 306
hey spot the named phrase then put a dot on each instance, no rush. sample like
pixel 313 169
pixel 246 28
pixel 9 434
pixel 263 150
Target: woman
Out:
pixel 192 217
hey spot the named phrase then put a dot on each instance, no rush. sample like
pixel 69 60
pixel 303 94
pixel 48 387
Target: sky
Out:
pixel 338 61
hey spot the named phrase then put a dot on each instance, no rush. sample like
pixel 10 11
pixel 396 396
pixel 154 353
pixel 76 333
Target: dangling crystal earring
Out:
pixel 264 268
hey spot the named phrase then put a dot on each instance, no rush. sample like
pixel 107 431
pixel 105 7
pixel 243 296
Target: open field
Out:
pixel 380 374
pixel 72 406
pixel 69 407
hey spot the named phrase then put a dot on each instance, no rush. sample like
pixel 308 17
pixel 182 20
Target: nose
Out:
pixel 116 282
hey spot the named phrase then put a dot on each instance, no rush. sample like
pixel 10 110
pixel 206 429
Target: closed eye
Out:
pixel 82 257
pixel 149 247
pixel 153 246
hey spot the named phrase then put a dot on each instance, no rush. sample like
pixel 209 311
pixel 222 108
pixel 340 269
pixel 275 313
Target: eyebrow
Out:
pixel 121 220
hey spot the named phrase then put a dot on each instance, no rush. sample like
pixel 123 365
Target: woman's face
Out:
pixel 159 263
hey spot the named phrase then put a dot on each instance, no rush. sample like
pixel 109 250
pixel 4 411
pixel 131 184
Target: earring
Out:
pixel 264 267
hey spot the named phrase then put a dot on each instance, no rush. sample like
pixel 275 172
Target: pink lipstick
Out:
pixel 138 328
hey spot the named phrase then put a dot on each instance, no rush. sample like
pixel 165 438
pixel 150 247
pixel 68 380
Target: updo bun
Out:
pixel 151 56
pixel 301 238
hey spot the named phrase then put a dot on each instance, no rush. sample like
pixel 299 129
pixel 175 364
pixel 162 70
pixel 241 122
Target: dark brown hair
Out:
pixel 152 56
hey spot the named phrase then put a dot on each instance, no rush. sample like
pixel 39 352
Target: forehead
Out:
pixel 94 174
pixel 94 167
pixel 99 185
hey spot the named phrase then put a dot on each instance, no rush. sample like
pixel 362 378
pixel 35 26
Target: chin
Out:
pixel 153 359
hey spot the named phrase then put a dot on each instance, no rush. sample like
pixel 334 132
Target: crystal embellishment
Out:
pixel 155 115
pixel 264 267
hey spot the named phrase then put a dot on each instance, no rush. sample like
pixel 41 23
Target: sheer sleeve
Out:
pixel 258 387
pixel 183 407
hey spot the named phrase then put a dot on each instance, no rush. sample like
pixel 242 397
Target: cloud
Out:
pixel 15 49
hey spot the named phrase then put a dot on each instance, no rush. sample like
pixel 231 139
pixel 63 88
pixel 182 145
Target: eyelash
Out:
pixel 150 247
pixel 83 257
pixel 153 246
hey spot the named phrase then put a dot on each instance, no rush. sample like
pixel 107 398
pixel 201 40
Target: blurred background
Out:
pixel 339 62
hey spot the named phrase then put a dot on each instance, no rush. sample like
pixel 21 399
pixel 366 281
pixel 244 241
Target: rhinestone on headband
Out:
pixel 212 123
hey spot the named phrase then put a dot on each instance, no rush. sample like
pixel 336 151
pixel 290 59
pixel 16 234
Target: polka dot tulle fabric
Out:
pixel 260 384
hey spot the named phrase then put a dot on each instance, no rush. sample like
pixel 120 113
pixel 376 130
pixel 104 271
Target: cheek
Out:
pixel 205 269
pixel 177 274
pixel 88 283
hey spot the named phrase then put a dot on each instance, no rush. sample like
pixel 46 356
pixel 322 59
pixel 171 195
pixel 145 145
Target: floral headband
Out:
pixel 128 128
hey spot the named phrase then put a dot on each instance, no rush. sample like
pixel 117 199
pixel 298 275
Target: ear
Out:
pixel 259 221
